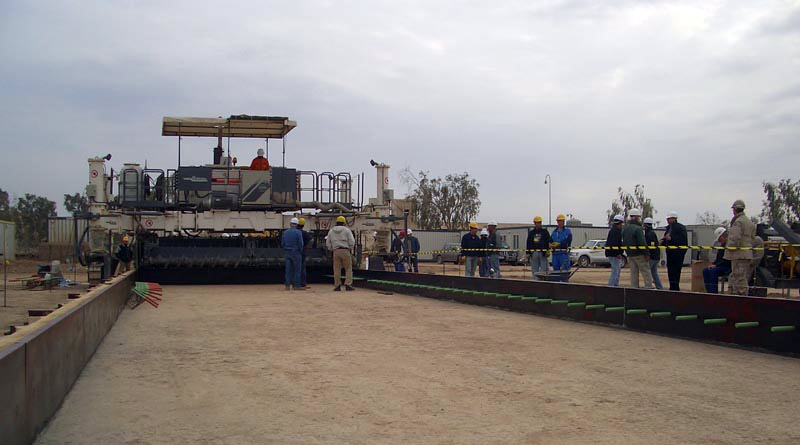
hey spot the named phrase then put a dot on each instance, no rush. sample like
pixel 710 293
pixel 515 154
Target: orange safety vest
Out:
pixel 259 163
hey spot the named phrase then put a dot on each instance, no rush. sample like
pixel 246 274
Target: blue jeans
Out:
pixel 469 265
pixel 293 261
pixel 399 267
pixel 711 277
pixel 483 269
pixel 303 277
pixel 561 261
pixel 494 263
pixel 616 267
pixel 538 263
pixel 654 272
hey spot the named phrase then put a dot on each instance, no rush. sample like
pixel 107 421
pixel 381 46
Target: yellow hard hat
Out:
pixel 537 219
pixel 340 219
pixel 561 218
pixel 301 221
pixel 125 239
pixel 473 225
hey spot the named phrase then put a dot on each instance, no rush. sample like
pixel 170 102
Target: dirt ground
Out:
pixel 19 300
pixel 255 364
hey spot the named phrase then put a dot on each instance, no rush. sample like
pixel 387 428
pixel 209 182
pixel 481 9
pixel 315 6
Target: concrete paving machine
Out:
pixel 221 223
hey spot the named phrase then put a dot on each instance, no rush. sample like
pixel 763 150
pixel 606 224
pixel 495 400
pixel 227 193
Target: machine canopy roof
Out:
pixel 241 126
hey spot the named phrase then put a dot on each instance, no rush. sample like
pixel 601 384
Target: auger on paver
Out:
pixel 149 292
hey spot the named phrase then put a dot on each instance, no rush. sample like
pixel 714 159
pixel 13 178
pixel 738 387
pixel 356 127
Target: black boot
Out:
pixel 348 287
pixel 337 288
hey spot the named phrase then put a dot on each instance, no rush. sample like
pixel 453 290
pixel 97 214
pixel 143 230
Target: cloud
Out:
pixel 679 96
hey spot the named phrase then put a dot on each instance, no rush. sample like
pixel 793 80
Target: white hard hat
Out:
pixel 410 231
pixel 634 212
pixel 619 218
pixel 672 214
pixel 484 232
pixel 260 152
pixel 718 232
pixel 648 220
pixel 492 223
pixel 295 221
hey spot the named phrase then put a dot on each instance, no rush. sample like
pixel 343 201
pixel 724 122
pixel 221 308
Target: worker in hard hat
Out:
pixel 292 244
pixel 741 236
pixel 341 242
pixel 471 249
pixel 560 244
pixel 124 255
pixel 397 251
pixel 676 242
pixel 651 238
pixel 614 250
pixel 636 250
pixel 413 251
pixel 493 245
pixel 721 267
pixel 260 162
pixel 307 241
pixel 537 246
pixel 483 268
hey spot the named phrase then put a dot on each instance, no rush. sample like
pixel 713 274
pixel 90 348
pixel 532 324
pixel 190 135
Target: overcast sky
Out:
pixel 699 101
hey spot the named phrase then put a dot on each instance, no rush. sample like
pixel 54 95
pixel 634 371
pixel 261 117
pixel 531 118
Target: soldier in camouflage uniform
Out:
pixel 739 251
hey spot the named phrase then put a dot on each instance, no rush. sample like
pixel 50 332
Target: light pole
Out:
pixel 549 182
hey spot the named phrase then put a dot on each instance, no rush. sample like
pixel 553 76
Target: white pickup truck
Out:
pixel 592 253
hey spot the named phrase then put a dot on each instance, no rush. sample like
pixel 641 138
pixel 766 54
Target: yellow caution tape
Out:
pixel 438 252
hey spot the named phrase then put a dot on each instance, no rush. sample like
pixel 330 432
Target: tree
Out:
pixel 76 203
pixel 5 206
pixel 626 201
pixel 782 201
pixel 449 202
pixel 31 218
pixel 710 219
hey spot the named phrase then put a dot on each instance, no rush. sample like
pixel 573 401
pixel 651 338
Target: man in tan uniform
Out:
pixel 340 241
pixel 739 251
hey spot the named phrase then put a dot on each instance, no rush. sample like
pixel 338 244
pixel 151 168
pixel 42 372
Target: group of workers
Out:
pixel 482 252
pixel 295 241
pixel 736 256
pixel 739 251
pixel 638 242
pixel 405 250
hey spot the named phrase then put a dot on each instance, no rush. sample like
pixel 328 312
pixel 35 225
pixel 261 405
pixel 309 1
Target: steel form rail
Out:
pixel 771 324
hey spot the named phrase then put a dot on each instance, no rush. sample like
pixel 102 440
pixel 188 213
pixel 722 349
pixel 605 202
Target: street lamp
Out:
pixel 549 182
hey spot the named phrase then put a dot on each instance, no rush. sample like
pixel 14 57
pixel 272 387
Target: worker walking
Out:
pixel 307 238
pixel 124 255
pixel 560 244
pixel 471 249
pixel 636 247
pixel 292 244
pixel 493 246
pixel 676 241
pixel 483 268
pixel 397 249
pixel 651 238
pixel 721 267
pixel 537 246
pixel 614 251
pixel 341 242
pixel 260 162
pixel 739 250
pixel 413 252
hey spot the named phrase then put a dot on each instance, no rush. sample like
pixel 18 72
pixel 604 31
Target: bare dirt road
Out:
pixel 255 364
